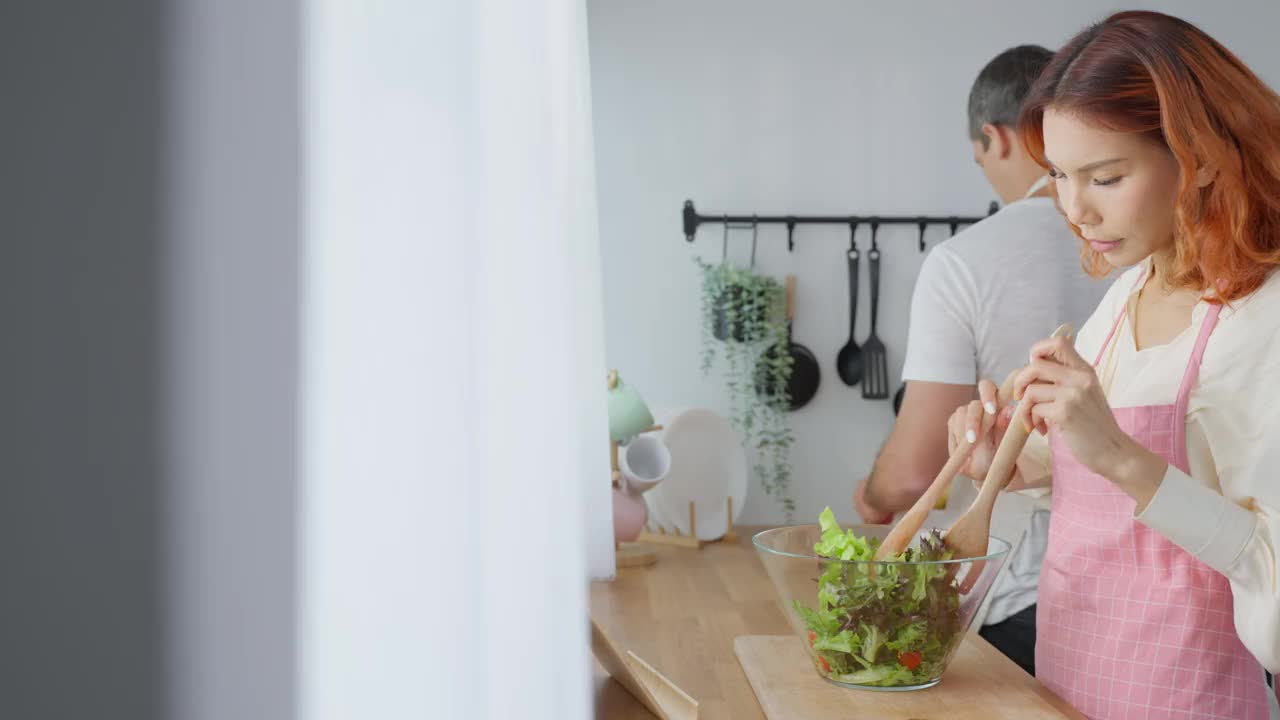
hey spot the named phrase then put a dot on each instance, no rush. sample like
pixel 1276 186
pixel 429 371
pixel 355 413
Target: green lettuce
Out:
pixel 891 627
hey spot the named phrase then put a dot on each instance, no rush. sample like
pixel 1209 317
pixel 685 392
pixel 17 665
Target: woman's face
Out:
pixel 1118 188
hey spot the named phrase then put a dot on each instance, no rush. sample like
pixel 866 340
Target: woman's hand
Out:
pixel 982 423
pixel 1060 390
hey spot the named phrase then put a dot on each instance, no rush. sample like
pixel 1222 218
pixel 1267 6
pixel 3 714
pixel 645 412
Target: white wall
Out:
pixel 454 432
pixel 835 107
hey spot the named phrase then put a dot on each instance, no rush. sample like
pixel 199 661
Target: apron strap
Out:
pixel 1188 381
pixel 1119 316
pixel 1189 376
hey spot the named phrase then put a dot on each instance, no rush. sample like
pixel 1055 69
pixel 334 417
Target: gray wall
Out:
pixel 149 252
pixel 232 282
pixel 82 128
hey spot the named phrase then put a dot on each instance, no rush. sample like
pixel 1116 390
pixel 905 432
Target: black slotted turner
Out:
pixel 875 364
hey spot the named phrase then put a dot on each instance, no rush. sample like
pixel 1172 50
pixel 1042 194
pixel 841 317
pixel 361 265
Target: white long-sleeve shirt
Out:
pixel 1227 511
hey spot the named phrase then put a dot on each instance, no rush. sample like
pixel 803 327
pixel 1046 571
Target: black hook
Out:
pixel 954 223
pixel 875 226
pixel 922 224
pixel 791 229
pixel 853 236
pixel 755 224
pixel 993 208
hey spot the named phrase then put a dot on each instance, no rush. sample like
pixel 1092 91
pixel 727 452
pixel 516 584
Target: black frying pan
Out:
pixel 805 375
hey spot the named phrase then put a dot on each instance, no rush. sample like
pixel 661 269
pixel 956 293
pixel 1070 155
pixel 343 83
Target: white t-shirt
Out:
pixel 982 299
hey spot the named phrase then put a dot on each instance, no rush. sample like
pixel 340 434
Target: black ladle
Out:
pixel 849 361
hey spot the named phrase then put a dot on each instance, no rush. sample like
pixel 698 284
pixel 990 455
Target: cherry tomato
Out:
pixel 909 660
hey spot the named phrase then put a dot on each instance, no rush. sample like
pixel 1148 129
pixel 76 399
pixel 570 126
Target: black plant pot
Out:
pixel 723 328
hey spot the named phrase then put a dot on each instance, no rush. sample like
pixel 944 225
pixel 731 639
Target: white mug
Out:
pixel 644 462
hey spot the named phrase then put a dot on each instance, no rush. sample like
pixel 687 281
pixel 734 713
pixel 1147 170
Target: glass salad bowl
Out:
pixel 892 625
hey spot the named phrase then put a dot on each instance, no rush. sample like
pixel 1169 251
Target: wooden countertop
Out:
pixel 682 614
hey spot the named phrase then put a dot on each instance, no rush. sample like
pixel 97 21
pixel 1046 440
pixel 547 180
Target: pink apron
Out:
pixel 1129 625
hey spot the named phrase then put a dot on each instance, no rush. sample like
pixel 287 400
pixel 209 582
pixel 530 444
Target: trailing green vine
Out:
pixel 744 317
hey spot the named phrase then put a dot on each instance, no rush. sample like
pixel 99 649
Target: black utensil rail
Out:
pixel 692 219
pixel 876 358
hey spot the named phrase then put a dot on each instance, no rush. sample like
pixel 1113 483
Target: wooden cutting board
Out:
pixel 980 684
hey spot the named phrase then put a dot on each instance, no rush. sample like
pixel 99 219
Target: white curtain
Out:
pixel 453 440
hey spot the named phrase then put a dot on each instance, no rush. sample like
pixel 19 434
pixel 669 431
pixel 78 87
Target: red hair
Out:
pixel 1164 79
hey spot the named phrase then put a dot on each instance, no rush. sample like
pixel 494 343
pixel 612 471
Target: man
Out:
pixel 982 298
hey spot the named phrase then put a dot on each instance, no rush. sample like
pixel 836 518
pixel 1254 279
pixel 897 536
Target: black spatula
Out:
pixel 875 364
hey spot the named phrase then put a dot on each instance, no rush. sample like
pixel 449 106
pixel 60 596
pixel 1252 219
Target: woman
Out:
pixel 1160 428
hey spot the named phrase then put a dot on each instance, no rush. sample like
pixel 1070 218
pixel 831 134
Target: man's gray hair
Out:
pixel 1002 86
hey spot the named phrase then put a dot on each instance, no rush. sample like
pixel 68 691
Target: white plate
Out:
pixel 708 465
pixel 662 415
pixel 656 519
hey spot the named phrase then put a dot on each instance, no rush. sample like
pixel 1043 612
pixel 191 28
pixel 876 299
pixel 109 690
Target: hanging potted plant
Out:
pixel 744 317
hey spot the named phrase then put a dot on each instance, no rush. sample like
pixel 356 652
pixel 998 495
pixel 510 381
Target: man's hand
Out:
pixel 916 449
pixel 869 513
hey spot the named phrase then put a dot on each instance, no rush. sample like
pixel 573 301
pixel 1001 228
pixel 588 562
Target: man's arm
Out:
pixel 917 446
pixel 942 373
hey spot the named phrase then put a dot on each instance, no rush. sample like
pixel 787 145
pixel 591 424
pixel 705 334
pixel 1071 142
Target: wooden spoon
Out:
pixel 968 537
pixel 909 524
pixel 912 520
